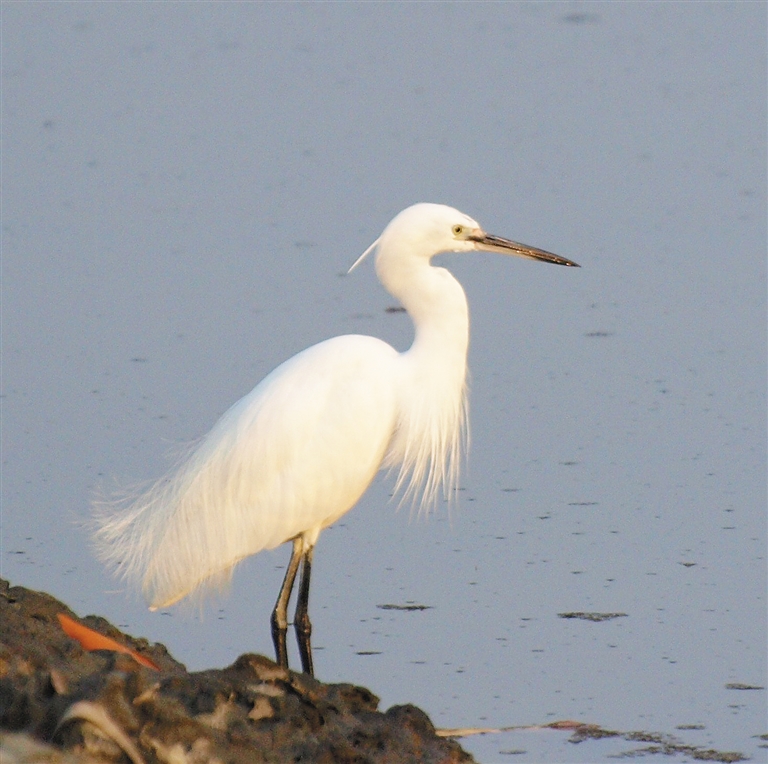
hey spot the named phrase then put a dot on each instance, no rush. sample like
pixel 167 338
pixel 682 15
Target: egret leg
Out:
pixel 279 619
pixel 301 622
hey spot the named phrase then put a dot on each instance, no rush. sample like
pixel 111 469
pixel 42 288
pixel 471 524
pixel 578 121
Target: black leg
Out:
pixel 301 622
pixel 279 620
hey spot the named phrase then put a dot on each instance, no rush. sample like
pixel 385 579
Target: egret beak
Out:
pixel 490 243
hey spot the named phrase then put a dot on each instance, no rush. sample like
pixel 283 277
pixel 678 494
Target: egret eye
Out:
pixel 458 230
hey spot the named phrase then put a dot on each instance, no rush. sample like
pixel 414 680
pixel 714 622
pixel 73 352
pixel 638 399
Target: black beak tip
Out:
pixel 557 260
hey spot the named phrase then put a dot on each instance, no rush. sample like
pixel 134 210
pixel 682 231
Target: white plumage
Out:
pixel 299 451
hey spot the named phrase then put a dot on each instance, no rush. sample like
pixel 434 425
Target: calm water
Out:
pixel 184 185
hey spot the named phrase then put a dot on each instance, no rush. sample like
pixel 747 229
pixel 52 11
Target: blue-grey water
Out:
pixel 185 183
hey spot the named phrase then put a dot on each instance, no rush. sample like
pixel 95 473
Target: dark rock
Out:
pixel 103 706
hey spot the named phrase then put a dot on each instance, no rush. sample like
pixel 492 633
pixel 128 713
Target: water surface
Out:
pixel 184 185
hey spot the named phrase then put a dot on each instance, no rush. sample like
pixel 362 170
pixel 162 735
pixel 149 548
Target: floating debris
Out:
pixel 595 617
pixel 404 607
pixel 668 745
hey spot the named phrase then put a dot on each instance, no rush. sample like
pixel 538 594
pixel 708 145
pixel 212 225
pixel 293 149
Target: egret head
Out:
pixel 424 230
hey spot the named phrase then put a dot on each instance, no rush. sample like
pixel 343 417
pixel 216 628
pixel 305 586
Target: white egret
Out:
pixel 299 451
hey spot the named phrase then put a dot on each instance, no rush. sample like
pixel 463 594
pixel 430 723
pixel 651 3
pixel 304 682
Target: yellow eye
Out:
pixel 458 230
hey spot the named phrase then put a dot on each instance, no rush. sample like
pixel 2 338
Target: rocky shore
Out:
pixel 62 703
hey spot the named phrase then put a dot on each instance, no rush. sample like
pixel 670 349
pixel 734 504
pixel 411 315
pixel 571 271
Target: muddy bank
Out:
pixel 105 706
